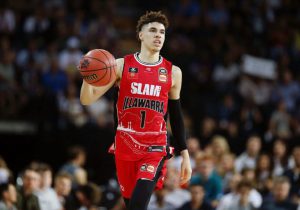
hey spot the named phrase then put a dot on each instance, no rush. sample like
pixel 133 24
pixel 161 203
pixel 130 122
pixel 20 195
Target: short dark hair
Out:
pixel 245 183
pixel 91 191
pixel 3 188
pixel 149 17
pixel 61 175
pixel 43 167
pixel 75 151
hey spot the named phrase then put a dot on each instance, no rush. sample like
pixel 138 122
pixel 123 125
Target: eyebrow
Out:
pixel 157 29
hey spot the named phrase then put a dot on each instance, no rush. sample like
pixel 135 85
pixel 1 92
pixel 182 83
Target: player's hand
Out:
pixel 186 169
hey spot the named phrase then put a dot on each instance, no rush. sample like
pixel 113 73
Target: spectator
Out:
pixel 26 199
pixel 293 175
pixel 69 58
pixel 89 196
pixel 226 73
pixel 197 199
pixel 248 158
pixel 37 24
pixel 7 19
pixel 280 122
pixel 77 157
pixel 8 196
pixel 160 201
pixel 233 197
pixel 251 119
pixel 207 177
pixel 243 199
pixel 5 173
pixel 71 108
pixel 227 111
pixel 55 80
pixel 219 147
pixel 226 170
pixel 280 157
pixel 47 197
pixel 248 174
pixel 263 171
pixel 62 187
pixel 174 194
pixel 287 91
pixel 280 196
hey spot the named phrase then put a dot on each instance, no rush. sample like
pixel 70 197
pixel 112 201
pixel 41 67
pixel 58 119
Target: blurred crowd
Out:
pixel 243 129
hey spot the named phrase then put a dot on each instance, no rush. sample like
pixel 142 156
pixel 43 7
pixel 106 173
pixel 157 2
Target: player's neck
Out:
pixel 148 57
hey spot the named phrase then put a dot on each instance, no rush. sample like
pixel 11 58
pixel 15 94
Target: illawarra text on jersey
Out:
pixel 132 102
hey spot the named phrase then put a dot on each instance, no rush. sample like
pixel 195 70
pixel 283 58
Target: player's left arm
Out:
pixel 177 125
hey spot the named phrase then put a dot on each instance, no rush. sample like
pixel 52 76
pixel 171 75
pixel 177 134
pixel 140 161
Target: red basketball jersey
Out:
pixel 142 105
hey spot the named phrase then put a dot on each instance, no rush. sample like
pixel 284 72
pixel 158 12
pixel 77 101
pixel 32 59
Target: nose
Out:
pixel 158 35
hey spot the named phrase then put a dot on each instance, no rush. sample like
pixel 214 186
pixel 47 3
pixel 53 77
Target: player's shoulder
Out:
pixel 176 71
pixel 120 61
pixel 120 66
pixel 175 68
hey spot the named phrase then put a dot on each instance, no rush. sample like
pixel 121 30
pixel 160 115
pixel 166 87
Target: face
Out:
pixel 253 146
pixel 31 180
pixel 197 193
pixel 227 162
pixel 249 175
pixel 218 148
pixel 152 36
pixel 205 168
pixel 63 186
pixel 233 182
pixel 244 191
pixel 296 155
pixel 11 194
pixel 281 191
pixel 46 179
pixel 264 162
pixel 193 145
pixel 82 158
pixel 279 149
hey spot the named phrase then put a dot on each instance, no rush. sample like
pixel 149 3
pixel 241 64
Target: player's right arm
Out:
pixel 89 93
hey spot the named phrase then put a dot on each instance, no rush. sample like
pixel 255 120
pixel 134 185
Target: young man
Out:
pixel 148 86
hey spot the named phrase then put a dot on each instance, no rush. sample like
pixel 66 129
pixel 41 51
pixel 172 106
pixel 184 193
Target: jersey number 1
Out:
pixel 143 116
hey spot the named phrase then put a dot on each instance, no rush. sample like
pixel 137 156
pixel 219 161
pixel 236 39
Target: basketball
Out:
pixel 98 67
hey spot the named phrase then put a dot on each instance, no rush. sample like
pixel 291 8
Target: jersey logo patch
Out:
pixel 133 73
pixel 148 168
pixel 162 75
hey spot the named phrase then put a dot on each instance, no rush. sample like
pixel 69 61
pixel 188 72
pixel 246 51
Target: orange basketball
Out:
pixel 98 67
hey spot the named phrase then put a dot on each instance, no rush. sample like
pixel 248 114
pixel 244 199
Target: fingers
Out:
pixel 185 176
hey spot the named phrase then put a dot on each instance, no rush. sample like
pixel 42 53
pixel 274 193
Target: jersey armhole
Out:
pixel 118 83
pixel 171 76
pixel 122 73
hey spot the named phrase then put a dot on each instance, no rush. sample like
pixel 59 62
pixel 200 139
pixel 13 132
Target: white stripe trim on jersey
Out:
pixel 136 56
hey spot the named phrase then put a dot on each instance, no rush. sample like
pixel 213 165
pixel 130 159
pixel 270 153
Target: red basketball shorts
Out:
pixel 150 167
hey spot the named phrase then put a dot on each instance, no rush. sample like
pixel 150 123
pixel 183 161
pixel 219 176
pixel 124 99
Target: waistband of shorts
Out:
pixel 152 148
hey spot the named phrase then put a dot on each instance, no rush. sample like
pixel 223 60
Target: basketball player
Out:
pixel 148 86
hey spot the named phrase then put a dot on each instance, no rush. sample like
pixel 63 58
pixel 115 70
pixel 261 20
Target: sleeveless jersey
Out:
pixel 142 105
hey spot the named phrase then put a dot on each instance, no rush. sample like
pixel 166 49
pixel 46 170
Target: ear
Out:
pixel 141 35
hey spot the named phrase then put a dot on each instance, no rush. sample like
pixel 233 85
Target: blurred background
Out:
pixel 240 95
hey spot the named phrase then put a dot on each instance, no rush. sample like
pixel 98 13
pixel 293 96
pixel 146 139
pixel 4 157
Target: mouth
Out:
pixel 157 42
